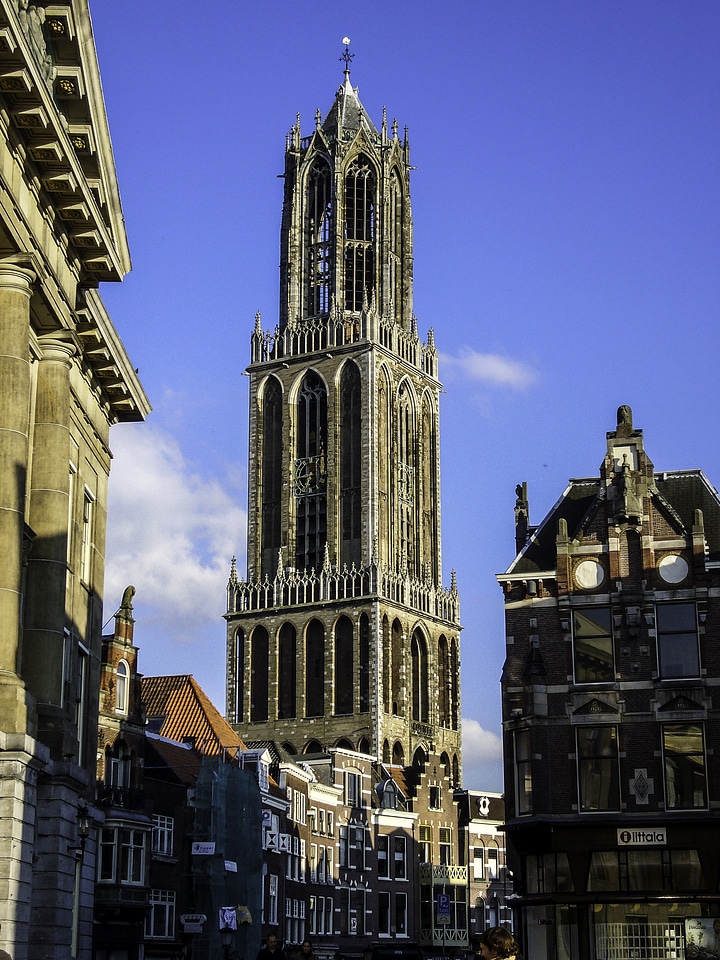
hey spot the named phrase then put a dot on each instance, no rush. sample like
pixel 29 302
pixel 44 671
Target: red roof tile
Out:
pixel 181 711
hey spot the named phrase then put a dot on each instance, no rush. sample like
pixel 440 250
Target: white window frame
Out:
pixel 160 921
pixel 399 847
pixel 401 910
pixel 163 835
pixel 122 686
pixel 384 904
pixel 115 837
pixel 353 788
pixel 88 536
pixel 383 857
pixel 273 899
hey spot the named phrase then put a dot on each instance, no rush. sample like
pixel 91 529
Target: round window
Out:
pixel 589 574
pixel 673 569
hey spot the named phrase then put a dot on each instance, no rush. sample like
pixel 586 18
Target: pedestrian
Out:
pixel 497 943
pixel 271 950
pixel 305 952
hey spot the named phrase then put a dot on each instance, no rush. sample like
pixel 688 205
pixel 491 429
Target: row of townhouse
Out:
pixel 374 853
pixel 337 847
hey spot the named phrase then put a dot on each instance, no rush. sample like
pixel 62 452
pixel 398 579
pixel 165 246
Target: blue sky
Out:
pixel 567 244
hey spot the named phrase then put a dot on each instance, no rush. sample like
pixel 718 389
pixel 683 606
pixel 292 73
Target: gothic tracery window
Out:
pixel 310 476
pixel 271 465
pixel 360 189
pixel 395 234
pixel 428 493
pixel 350 466
pixel 406 479
pixel 443 683
pixel 319 237
pixel 418 649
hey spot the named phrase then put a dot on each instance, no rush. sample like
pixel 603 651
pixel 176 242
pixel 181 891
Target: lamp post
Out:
pixel 84 825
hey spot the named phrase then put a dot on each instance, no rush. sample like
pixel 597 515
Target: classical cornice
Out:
pixel 52 107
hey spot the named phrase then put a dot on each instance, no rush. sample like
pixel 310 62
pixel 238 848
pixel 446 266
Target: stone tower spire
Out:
pixel 344 485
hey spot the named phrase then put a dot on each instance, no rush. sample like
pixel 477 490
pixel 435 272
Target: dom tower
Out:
pixel 342 634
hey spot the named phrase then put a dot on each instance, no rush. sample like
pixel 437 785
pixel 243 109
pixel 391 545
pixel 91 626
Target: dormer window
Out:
pixel 389 795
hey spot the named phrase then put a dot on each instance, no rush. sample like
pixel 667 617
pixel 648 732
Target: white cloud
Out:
pixel 481 757
pixel 488 368
pixel 171 533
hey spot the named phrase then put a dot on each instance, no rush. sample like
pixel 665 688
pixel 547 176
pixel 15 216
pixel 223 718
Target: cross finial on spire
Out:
pixel 347 56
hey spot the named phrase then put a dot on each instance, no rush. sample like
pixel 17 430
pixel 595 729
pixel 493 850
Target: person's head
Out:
pixel 497 942
pixel 272 941
pixel 306 947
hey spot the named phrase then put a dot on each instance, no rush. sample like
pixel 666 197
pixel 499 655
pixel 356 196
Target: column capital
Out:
pixel 16 274
pixel 58 345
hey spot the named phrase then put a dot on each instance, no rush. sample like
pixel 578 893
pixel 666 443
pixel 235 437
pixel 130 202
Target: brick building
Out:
pixel 611 711
pixel 482 851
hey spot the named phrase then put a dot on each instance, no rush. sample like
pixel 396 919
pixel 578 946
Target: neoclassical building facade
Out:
pixel 65 379
pixel 342 633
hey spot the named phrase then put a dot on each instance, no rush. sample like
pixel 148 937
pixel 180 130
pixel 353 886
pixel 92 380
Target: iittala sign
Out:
pixel 642 837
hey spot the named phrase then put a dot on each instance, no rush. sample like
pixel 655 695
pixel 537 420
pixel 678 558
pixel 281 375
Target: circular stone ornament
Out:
pixel 673 568
pixel 589 574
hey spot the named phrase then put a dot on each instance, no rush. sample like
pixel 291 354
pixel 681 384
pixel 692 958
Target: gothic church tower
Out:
pixel 342 633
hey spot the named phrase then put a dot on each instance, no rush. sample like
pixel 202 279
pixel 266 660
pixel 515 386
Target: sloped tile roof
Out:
pixel 400 776
pixel 690 490
pixel 162 757
pixel 540 554
pixel 177 708
pixel 680 494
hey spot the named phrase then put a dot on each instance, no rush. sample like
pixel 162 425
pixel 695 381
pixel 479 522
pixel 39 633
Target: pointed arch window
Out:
pixel 384 467
pixel 396 241
pixel 319 237
pixel 443 683
pixel 398 704
pixel 344 667
pixel 310 475
pixel 429 494
pixel 419 678
pixel 240 676
pixel 364 653
pixel 271 486
pixel 360 211
pixel 350 466
pixel 287 706
pixel 259 648
pixel 406 479
pixel 315 670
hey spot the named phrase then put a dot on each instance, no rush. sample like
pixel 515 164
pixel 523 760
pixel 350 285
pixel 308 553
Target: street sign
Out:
pixel 443 908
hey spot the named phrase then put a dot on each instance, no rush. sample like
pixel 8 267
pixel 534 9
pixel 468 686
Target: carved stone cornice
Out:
pixel 53 116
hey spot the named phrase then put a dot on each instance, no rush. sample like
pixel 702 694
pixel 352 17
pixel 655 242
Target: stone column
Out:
pixel 15 292
pixel 43 649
